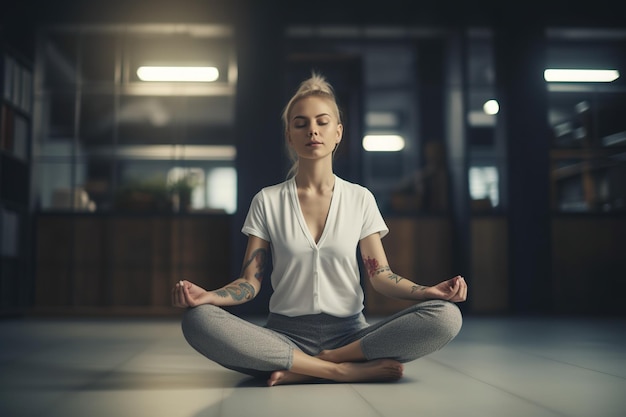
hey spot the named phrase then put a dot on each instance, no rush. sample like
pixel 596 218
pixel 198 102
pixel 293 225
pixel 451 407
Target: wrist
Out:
pixel 420 292
pixel 215 297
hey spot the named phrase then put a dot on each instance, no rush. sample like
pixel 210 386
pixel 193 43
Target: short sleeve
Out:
pixel 256 220
pixel 372 219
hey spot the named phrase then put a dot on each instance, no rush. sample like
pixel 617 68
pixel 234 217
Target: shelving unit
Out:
pixel 106 141
pixel 112 157
pixel 599 173
pixel 16 91
pixel 588 162
pixel 588 182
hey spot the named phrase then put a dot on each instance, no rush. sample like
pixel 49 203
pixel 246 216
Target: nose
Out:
pixel 313 133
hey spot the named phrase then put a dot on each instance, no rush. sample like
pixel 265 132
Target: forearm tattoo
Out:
pixel 259 256
pixel 238 292
pixel 417 288
pixel 373 268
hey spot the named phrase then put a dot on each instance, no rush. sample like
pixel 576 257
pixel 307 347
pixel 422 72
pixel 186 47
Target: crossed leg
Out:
pixel 418 331
pixel 345 364
pixel 245 347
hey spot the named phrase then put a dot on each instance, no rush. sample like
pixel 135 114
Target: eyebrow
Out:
pixel 319 115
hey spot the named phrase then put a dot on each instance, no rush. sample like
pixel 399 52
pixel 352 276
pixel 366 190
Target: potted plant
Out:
pixel 180 191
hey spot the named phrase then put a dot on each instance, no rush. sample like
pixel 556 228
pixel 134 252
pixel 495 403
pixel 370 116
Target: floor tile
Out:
pixel 538 367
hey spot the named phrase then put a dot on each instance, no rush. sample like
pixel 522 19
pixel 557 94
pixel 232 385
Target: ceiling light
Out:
pixel 383 143
pixel 580 75
pixel 491 107
pixel 172 152
pixel 179 74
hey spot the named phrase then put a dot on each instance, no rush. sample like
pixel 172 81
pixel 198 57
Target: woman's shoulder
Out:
pixel 274 190
pixel 277 187
pixel 352 187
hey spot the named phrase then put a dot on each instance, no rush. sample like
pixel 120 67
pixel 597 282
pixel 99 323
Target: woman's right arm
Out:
pixel 239 291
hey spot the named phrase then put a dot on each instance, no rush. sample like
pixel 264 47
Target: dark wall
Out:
pixel 260 26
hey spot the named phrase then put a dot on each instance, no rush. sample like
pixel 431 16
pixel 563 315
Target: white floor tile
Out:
pixel 496 367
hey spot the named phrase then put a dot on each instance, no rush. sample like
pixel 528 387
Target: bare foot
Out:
pixel 288 377
pixel 329 356
pixel 381 370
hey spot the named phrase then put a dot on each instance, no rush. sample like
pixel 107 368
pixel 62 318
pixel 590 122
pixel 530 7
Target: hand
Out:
pixel 187 294
pixel 454 290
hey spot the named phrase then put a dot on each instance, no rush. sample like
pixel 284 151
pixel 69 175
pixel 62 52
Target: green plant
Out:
pixel 183 185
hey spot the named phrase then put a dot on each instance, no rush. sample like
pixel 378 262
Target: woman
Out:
pixel 313 223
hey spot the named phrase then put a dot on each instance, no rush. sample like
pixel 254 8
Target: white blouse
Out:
pixel 309 277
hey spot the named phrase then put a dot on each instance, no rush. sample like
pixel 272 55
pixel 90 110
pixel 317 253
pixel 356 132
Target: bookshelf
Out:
pixel 588 156
pixel 15 219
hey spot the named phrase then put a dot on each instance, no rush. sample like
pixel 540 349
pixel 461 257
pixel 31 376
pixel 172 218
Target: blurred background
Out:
pixel 118 179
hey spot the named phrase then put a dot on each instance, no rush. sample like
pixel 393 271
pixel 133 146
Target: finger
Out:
pixel 459 286
pixel 463 290
pixel 180 296
pixel 451 291
pixel 456 284
pixel 186 296
pixel 459 291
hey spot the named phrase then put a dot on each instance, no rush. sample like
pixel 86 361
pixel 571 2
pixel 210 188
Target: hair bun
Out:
pixel 316 83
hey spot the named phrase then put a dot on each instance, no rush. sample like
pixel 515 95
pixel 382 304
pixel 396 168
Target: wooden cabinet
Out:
pixel 126 263
pixel 489 280
pixel 588 264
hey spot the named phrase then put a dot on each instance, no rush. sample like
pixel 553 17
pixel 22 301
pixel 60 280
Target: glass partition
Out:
pixel 587 122
pixel 106 140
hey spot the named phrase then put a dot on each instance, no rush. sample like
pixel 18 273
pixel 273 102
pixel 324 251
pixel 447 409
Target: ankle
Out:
pixel 328 356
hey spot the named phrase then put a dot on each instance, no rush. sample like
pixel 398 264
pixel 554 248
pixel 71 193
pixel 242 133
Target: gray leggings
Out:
pixel 258 350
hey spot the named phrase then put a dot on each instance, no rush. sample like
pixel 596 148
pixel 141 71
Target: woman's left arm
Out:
pixel 386 282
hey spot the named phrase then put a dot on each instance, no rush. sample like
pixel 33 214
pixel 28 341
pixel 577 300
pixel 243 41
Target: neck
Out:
pixel 315 174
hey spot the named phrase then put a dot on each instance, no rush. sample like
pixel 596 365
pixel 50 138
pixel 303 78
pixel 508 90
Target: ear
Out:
pixel 339 132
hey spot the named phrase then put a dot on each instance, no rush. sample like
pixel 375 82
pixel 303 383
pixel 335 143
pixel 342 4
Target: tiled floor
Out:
pixel 509 367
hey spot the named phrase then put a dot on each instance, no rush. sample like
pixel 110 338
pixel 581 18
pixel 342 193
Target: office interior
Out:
pixel 114 186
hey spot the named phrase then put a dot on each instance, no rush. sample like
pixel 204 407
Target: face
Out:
pixel 313 130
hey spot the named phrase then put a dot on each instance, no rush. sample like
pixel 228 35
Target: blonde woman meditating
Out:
pixel 313 223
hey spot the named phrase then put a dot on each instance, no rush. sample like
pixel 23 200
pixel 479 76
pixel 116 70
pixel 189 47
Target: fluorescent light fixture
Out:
pixel 383 143
pixel 168 152
pixel 491 107
pixel 478 118
pixel 382 119
pixel 580 75
pixel 178 74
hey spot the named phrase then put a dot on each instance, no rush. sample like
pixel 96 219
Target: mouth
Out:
pixel 313 143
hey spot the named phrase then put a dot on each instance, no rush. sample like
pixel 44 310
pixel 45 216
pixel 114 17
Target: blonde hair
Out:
pixel 316 86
